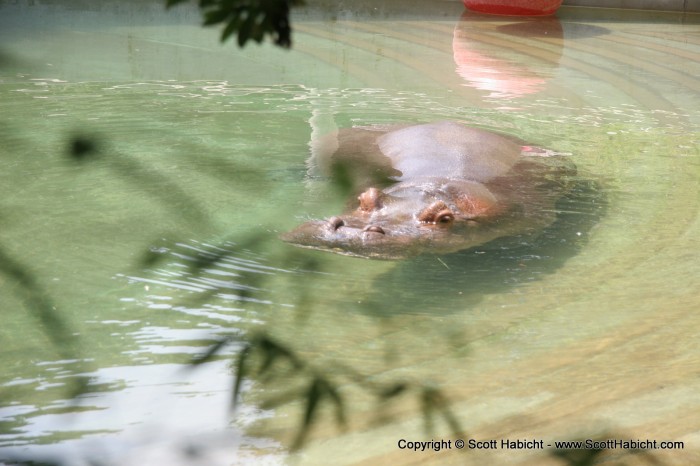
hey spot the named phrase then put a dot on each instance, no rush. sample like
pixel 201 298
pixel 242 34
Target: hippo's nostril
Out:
pixel 374 229
pixel 336 222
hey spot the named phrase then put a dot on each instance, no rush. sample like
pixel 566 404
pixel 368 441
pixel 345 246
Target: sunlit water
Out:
pixel 166 242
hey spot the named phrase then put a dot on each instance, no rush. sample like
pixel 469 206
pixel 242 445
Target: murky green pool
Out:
pixel 166 241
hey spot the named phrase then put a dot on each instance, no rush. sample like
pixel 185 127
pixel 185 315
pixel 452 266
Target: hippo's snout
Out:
pixel 350 235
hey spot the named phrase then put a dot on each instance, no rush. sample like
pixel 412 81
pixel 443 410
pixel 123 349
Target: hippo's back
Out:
pixel 448 149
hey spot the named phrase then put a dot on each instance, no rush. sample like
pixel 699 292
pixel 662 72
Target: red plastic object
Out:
pixel 514 7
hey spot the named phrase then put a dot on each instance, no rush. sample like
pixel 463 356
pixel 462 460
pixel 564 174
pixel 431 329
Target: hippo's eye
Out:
pixel 436 213
pixel 444 217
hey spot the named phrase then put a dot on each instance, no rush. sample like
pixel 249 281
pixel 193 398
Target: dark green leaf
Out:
pixel 171 3
pixel 231 27
pixel 269 357
pixel 434 400
pixel 241 369
pixel 245 30
pixel 81 384
pixel 428 407
pixel 333 394
pixel 393 391
pixel 261 25
pixel 313 397
pixel 40 304
pixel 215 17
pixel 452 420
pixel 81 147
pixel 150 258
pixel 211 352
pixel 578 457
pixel 249 19
pixel 268 345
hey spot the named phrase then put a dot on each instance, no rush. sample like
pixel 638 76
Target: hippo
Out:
pixel 433 188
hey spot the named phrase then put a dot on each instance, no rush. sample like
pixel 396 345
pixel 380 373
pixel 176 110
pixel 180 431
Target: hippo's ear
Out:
pixel 475 200
pixel 370 200
pixel 476 207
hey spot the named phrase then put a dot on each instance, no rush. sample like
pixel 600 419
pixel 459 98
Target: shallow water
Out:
pixel 167 241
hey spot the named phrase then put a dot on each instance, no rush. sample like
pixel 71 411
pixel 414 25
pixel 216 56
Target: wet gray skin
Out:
pixel 437 188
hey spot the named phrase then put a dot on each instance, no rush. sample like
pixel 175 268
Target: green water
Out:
pixel 589 329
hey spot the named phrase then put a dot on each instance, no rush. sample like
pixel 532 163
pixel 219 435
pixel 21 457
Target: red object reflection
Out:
pixel 490 57
pixel 514 7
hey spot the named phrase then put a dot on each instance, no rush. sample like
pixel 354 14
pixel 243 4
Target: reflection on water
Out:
pixel 510 75
pixel 141 406
pixel 588 330
pixel 513 57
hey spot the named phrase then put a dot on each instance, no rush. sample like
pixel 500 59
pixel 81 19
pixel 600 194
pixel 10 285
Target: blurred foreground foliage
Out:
pixel 284 372
pixel 248 19
pixel 275 364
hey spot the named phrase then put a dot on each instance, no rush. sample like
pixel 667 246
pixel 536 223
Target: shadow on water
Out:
pixel 449 283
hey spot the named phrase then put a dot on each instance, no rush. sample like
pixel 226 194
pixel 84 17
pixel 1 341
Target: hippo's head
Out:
pixel 406 219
